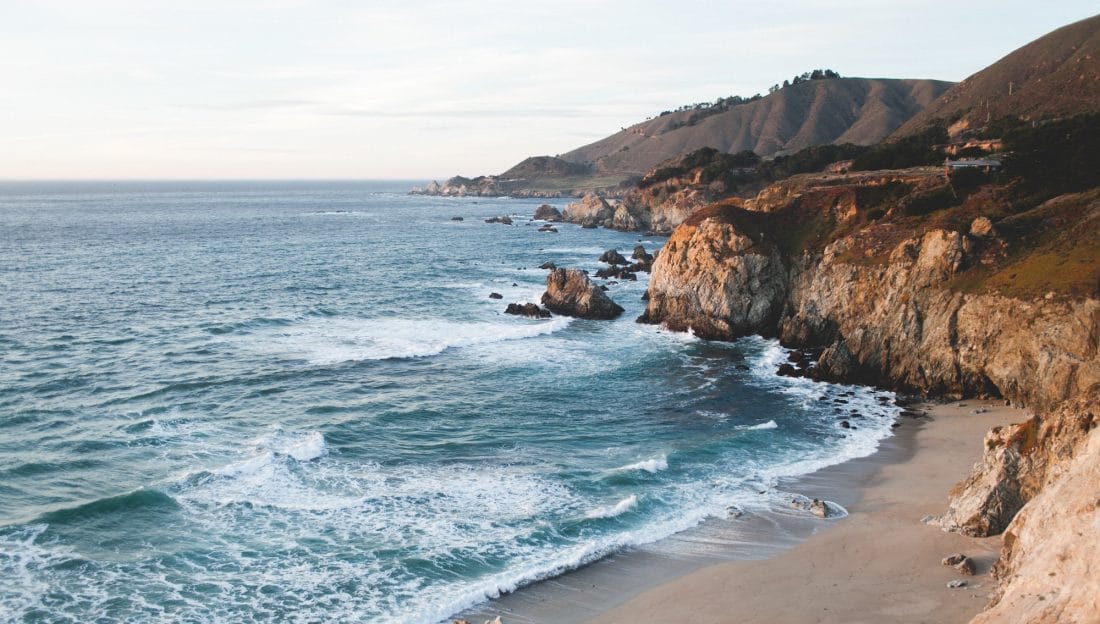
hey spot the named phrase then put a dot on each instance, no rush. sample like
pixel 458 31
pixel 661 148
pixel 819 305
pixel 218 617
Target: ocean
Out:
pixel 258 401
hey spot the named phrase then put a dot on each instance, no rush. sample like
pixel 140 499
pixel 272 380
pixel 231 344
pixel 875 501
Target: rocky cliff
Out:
pixel 896 282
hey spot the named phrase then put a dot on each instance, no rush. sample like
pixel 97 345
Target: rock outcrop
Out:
pixel 569 292
pixel 1047 568
pixel 591 211
pixel 717 282
pixel 546 212
pixel 529 310
pixel 918 305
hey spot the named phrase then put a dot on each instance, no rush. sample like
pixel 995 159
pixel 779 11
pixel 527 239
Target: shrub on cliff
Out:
pixel 1056 157
pixel 911 151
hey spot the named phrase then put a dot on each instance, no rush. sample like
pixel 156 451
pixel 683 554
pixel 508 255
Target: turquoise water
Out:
pixel 295 402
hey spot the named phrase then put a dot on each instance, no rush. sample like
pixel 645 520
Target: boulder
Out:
pixel 617 272
pixel 612 256
pixel 530 310
pixel 546 212
pixel 571 293
pixel 982 227
pixel 496 296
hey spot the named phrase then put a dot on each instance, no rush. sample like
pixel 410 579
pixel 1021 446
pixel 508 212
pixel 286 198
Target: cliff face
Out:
pixel 908 302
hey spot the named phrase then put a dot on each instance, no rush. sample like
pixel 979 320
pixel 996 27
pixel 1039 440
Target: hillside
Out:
pixel 1055 75
pixel 841 110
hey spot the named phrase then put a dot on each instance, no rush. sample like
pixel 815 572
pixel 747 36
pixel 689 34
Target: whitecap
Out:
pixel 771 424
pixel 653 465
pixel 309 448
pixel 619 508
pixel 328 341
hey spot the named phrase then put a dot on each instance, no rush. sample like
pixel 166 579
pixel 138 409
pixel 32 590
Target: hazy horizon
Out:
pixel 129 91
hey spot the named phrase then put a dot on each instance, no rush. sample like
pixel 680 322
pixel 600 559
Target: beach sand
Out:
pixel 880 564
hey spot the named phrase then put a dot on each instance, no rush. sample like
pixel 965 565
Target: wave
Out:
pixel 653 465
pixel 618 509
pixel 145 499
pixel 327 341
pixel 771 424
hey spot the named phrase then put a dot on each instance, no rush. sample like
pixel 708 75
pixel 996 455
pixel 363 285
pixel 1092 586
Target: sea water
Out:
pixel 253 402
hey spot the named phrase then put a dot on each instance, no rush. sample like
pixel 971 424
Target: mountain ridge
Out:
pixel 836 110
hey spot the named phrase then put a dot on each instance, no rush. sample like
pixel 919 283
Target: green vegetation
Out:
pixel 716 166
pixel 1061 156
pixel 807 160
pixel 914 150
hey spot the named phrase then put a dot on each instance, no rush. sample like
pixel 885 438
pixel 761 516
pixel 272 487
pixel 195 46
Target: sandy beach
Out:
pixel 880 564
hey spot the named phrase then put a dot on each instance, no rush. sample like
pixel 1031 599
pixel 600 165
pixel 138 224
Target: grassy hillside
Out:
pixel 841 110
pixel 1054 76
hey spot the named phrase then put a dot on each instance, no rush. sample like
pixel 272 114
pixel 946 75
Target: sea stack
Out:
pixel 569 292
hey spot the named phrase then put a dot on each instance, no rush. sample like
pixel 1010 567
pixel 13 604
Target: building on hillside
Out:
pixel 986 165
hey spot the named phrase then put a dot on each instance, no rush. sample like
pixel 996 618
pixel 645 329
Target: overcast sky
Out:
pixel 196 89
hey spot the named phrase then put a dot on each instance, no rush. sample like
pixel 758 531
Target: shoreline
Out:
pixel 883 563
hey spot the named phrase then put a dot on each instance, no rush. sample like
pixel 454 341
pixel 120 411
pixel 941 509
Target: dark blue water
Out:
pixel 296 402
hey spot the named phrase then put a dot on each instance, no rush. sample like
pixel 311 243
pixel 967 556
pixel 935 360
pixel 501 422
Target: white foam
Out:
pixel 335 340
pixel 649 465
pixel 309 448
pixel 618 509
pixel 771 424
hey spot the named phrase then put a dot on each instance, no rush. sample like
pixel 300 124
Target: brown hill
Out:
pixel 841 110
pixel 544 166
pixel 1055 75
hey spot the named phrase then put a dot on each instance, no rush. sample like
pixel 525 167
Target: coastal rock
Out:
pixel 591 211
pixel 457 219
pixel 496 296
pixel 1019 460
pixel 895 305
pixel 1047 567
pixel 716 281
pixel 954 559
pixel 644 260
pixel 612 256
pixel 549 228
pixel 504 220
pixel 546 212
pixel 548 265
pixel 529 310
pixel 617 272
pixel 624 220
pixel 571 293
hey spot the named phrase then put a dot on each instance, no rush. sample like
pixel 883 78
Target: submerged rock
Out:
pixel 570 292
pixel 530 310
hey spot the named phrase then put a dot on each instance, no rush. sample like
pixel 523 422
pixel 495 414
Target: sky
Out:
pixel 288 89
